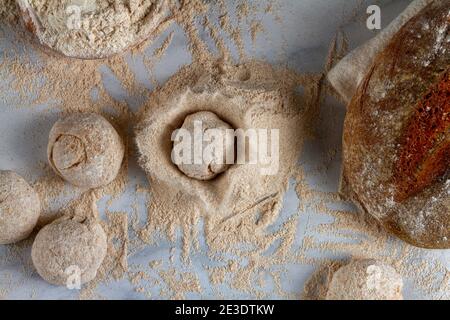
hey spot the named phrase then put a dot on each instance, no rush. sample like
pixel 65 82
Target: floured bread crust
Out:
pixel 396 134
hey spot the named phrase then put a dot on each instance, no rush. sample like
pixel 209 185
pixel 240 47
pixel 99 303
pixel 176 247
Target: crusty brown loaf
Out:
pixel 397 133
pixel 96 37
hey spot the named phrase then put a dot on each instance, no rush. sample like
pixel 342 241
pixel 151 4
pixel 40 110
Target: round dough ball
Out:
pixel 92 29
pixel 19 208
pixel 85 150
pixel 209 168
pixel 67 248
pixel 366 280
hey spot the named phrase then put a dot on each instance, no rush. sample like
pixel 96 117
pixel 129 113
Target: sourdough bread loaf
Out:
pixel 397 132
pixel 85 150
pixel 347 75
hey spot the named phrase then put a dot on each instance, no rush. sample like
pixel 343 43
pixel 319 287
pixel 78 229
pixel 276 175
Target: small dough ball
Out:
pixel 68 247
pixel 209 168
pixel 19 208
pixel 366 280
pixel 85 150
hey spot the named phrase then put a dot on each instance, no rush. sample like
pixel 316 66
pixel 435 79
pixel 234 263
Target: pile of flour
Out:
pixel 94 29
pixel 312 235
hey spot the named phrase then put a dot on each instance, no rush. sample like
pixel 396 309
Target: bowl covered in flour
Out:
pixel 88 29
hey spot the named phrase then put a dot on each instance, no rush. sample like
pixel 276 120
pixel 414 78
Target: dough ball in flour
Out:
pixel 213 156
pixel 19 208
pixel 85 150
pixel 93 29
pixel 67 248
pixel 365 280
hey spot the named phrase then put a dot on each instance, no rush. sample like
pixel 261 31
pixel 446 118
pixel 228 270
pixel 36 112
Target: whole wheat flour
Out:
pixel 19 208
pixel 68 246
pixel 253 249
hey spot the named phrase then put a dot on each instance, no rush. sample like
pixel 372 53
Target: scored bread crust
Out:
pixel 33 23
pixel 396 140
